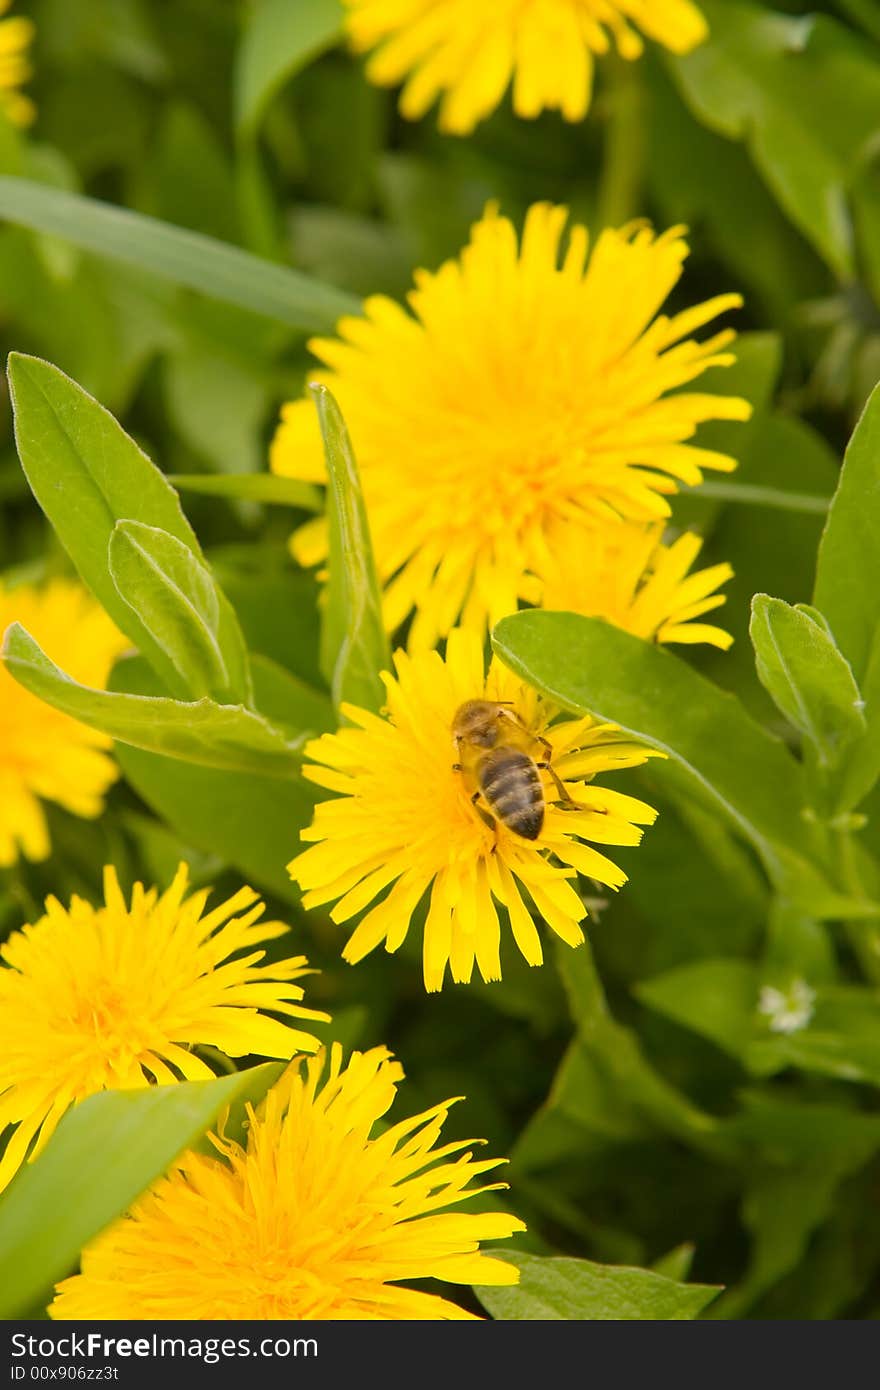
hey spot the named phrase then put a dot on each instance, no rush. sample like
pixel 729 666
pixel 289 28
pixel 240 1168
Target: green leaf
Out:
pixel 848 589
pixel 807 677
pixel 585 665
pixel 848 567
pixel 803 93
pixel 222 736
pixel 252 487
pixel 105 1152
pixel 716 998
pixel 577 1290
pixel 86 473
pixel 280 38
pixel 809 1150
pixel 176 598
pixel 248 820
pixel 354 646
pixel 183 257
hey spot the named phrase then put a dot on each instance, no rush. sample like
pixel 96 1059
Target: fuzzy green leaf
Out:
pixel 251 821
pixel 809 680
pixel 848 568
pixel 354 646
pixel 177 599
pixel 87 473
pixel 848 589
pixel 577 1290
pixel 213 735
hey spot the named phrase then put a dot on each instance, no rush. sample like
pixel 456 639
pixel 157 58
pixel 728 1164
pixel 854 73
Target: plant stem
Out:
pixel 623 165
pixel 864 933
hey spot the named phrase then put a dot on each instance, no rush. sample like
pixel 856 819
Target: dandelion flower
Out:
pixel 405 824
pixel 95 999
pixel 314 1219
pixel 519 394
pixel 630 576
pixel 44 753
pixel 16 34
pixel 470 53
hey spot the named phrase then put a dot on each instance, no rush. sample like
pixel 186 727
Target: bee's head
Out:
pixel 476 723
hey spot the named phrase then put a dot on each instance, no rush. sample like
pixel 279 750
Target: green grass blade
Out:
pixel 185 258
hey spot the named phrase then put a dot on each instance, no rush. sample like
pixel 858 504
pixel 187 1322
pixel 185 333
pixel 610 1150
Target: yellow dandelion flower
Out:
pixel 316 1218
pixel 470 53
pixel 630 576
pixel 406 820
pixel 95 999
pixel 43 753
pixel 521 393
pixel 16 35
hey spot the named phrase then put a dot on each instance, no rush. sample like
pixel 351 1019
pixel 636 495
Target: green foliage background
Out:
pixel 652 1115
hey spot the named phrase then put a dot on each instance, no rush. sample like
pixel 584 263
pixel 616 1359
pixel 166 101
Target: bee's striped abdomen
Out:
pixel 511 784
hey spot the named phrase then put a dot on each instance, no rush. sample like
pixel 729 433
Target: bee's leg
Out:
pixel 566 800
pixel 485 814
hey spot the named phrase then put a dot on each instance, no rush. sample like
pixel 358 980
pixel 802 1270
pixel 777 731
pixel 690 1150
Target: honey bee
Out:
pixel 491 743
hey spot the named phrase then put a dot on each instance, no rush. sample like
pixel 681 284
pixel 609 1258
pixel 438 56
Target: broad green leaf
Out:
pixel 577 1290
pixel 86 473
pixel 183 257
pixel 848 567
pixel 803 93
pixel 585 665
pixel 213 735
pixel 807 678
pixel 354 646
pixel 716 998
pixel 248 820
pixel 280 38
pixel 177 599
pixel 251 487
pixel 848 589
pixel 105 1152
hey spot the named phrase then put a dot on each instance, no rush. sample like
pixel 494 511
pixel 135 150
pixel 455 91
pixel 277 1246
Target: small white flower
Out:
pixel 787 1010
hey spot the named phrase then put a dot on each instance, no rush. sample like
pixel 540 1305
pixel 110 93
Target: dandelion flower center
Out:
pixel 404 826
pixel 531 387
pixel 118 996
pixel 316 1218
pixel 469 53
